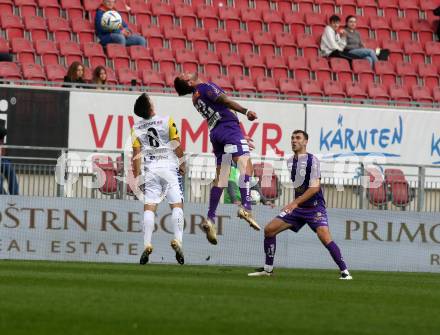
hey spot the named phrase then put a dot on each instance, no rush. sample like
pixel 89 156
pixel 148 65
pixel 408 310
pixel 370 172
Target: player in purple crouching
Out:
pixel 227 140
pixel 307 208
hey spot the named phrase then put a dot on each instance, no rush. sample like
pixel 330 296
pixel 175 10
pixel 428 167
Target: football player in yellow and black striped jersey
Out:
pixel 156 139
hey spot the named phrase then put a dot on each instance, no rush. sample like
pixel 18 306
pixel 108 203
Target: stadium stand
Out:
pixel 254 39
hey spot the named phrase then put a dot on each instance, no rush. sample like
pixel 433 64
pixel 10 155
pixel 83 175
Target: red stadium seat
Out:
pixel 316 22
pixel 295 21
pixel 73 8
pixel 326 7
pixel 385 70
pixel 126 76
pixel 71 52
pixel 274 20
pixel 377 92
pixel 398 186
pixel 7 7
pixel 164 13
pixel 380 26
pixel 59 28
pixel 165 58
pixel 175 37
pixel 106 174
pixel 243 85
pixel 300 67
pixel 243 40
pixel 233 63
pixel 341 67
pixel 424 29
pixel 169 78
pixel 311 88
pixel 9 70
pixel 51 8
pixel 436 93
pixel 266 86
pixel 208 15
pixel 119 55
pixel 187 59
pixel 261 4
pixel 220 39
pixel 55 72
pixel 399 93
pixel 363 69
pixel 348 7
pixel 24 49
pixel 377 189
pixel 307 43
pixel 26 7
pixel 12 25
pixel 433 50
pixel 210 62
pixel 333 89
pixel 153 35
pixel 223 82
pixel 33 72
pixel 395 48
pixel 198 38
pixel 36 25
pixel 402 28
pixel 390 7
pixel 141 56
pixel 287 43
pixel 285 6
pixel 95 54
pixel 4 45
pixel 415 51
pixel 255 64
pixel 355 90
pixel 153 80
pixel 305 6
pixel 267 179
pixel 429 73
pixel 407 73
pixel 185 14
pixel 252 18
pixel 111 76
pixel 368 7
pixel 421 94
pixel 265 42
pixel 84 30
pixel 47 51
pixel 410 8
pixel 319 65
pixel 289 87
pixel 230 16
pixel 277 66
pixel 141 11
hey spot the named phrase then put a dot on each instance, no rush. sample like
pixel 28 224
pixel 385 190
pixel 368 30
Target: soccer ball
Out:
pixel 111 20
pixel 256 197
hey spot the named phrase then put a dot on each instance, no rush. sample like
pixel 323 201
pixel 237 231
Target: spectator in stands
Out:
pixel 5 57
pixel 354 46
pixel 121 36
pixel 6 168
pixel 100 77
pixel 75 76
pixel 333 40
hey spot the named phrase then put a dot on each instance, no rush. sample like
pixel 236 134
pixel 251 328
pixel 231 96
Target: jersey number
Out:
pixel 153 137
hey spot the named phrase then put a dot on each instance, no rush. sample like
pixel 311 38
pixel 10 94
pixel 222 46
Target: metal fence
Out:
pixel 354 185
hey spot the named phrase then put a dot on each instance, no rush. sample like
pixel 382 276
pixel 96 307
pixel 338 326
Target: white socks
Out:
pixel 178 222
pixel 148 227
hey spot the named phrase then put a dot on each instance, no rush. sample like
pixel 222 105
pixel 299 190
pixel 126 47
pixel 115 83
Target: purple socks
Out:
pixel 214 199
pixel 335 253
pixel 270 245
pixel 245 192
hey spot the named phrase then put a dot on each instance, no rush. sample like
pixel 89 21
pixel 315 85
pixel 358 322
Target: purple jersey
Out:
pixel 304 169
pixel 204 100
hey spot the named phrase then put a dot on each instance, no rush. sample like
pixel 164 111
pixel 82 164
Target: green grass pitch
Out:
pixel 87 298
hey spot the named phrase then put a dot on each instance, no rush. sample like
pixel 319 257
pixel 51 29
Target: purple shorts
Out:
pixel 315 217
pixel 227 138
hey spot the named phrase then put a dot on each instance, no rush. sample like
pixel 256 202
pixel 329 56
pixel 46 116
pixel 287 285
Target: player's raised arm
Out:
pixel 231 104
pixel 136 160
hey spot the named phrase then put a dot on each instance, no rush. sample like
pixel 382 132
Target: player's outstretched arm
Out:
pixel 231 104
pixel 181 155
pixel 311 191
pixel 136 161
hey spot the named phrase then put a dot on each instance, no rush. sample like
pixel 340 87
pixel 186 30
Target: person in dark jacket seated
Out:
pixel 75 76
pixel 120 36
pixel 354 46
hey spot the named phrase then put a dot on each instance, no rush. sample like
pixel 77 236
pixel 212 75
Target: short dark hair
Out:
pixel 348 18
pixel 142 106
pixel 334 18
pixel 299 131
pixel 182 87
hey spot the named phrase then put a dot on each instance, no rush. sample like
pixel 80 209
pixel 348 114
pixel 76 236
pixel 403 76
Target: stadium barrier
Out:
pixel 111 231
pixel 346 184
